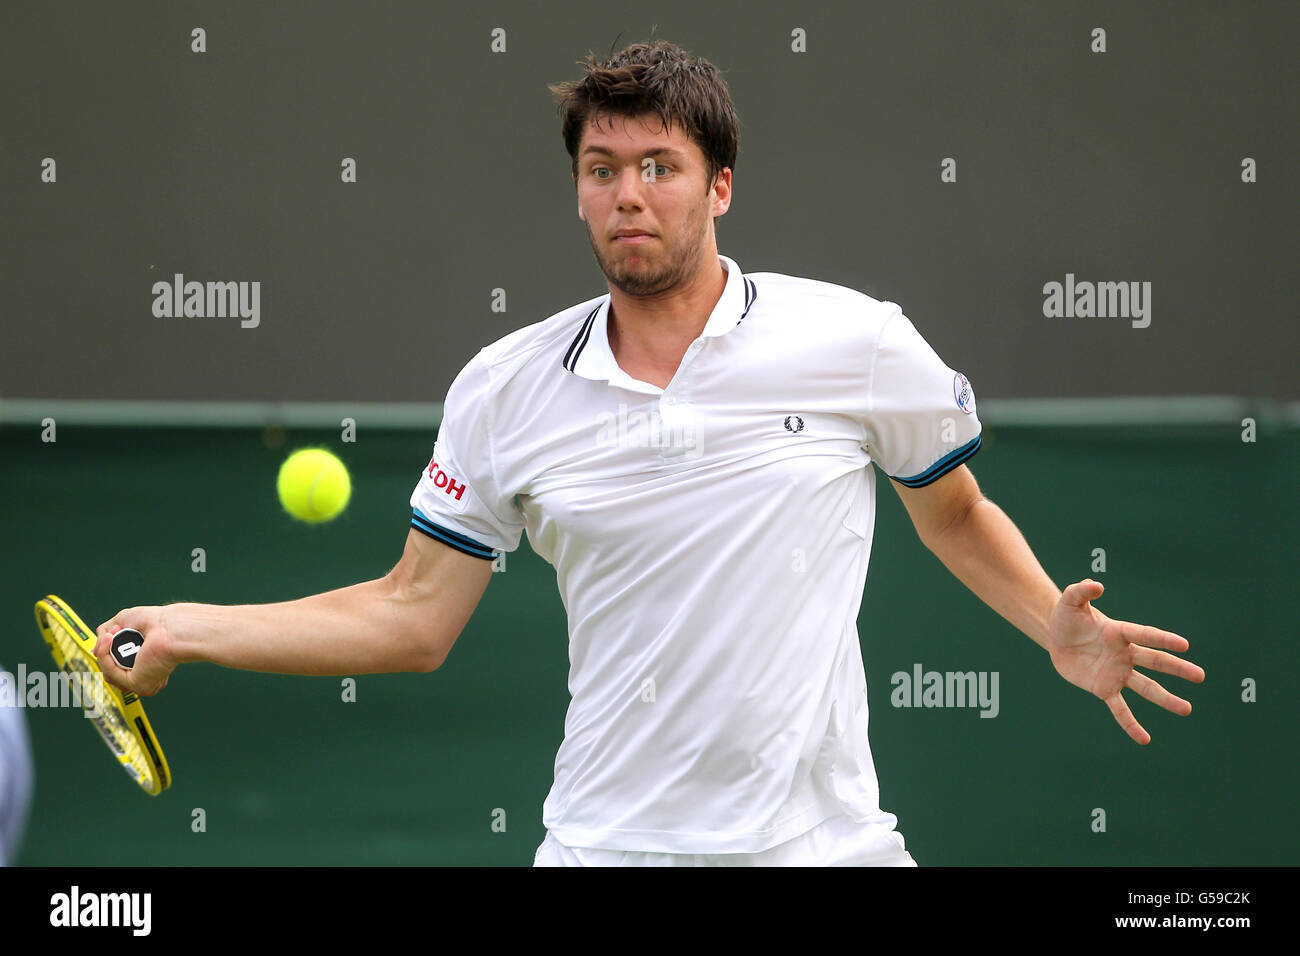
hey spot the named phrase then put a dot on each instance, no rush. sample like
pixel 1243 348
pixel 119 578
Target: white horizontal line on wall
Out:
pixel 1007 412
pixel 1115 411
pixel 32 411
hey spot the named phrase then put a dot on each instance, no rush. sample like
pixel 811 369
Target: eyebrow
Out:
pixel 660 151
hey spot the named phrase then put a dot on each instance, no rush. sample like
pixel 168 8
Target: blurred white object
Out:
pixel 15 781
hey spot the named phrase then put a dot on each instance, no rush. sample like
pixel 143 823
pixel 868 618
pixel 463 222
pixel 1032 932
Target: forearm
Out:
pixel 362 629
pixel 987 553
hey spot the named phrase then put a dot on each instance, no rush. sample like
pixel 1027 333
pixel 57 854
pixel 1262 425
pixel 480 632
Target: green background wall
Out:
pixel 1198 528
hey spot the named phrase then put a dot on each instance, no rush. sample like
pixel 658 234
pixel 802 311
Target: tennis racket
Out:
pixel 121 721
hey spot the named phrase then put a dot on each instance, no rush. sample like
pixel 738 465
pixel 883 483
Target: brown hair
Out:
pixel 660 78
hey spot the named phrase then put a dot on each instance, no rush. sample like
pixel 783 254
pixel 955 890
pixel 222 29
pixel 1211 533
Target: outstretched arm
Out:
pixel 404 621
pixel 981 546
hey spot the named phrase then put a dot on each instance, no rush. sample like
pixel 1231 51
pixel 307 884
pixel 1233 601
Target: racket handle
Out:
pixel 126 644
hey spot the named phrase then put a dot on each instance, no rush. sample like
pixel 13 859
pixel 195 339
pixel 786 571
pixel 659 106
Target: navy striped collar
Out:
pixel 590 355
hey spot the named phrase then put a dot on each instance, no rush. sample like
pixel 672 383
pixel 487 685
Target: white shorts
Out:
pixel 839 841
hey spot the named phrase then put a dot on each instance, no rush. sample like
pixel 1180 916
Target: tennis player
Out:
pixel 693 453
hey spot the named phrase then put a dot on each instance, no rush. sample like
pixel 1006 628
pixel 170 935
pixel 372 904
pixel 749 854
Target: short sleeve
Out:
pixel 458 499
pixel 921 421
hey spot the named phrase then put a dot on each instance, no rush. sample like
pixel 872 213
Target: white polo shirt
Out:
pixel 710 541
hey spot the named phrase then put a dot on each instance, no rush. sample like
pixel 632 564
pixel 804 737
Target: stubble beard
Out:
pixel 635 276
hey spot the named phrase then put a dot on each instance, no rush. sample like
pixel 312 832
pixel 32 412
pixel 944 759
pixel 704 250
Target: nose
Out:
pixel 631 189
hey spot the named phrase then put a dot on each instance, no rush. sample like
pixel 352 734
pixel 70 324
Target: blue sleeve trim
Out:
pixel 941 467
pixel 453 539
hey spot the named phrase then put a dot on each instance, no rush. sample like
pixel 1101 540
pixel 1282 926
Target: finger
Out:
pixel 103 633
pixel 113 673
pixel 1167 664
pixel 1081 592
pixel 1126 720
pixel 1149 636
pixel 1156 694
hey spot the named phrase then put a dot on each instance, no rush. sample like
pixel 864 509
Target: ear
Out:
pixel 722 192
pixel 582 215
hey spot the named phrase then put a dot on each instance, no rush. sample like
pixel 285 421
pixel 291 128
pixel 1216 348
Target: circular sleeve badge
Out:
pixel 962 391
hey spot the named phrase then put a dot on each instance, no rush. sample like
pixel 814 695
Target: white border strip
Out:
pixel 1004 412
pixel 1112 412
pixel 32 411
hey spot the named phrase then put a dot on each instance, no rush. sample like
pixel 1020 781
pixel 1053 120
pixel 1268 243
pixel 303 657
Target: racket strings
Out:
pixel 110 722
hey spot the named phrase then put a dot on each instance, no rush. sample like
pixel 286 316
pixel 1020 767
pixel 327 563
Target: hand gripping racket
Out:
pixel 121 721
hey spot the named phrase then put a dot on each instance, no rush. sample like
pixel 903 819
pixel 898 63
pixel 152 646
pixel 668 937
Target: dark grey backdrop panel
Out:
pixel 1122 166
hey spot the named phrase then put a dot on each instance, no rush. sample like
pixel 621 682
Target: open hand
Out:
pixel 1101 656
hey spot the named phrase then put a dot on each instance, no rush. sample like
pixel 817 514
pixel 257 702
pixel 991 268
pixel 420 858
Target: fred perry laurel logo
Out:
pixel 962 391
pixel 793 423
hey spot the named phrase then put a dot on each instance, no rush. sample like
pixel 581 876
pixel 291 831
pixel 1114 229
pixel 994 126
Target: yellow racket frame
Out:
pixel 122 721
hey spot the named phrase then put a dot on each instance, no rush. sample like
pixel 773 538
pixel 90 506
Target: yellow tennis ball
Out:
pixel 314 485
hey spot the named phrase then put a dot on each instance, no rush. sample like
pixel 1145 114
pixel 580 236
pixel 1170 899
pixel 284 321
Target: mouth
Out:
pixel 634 239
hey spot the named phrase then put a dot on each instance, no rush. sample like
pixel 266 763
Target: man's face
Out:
pixel 634 174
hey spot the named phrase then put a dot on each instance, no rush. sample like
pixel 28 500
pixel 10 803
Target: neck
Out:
pixel 659 328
